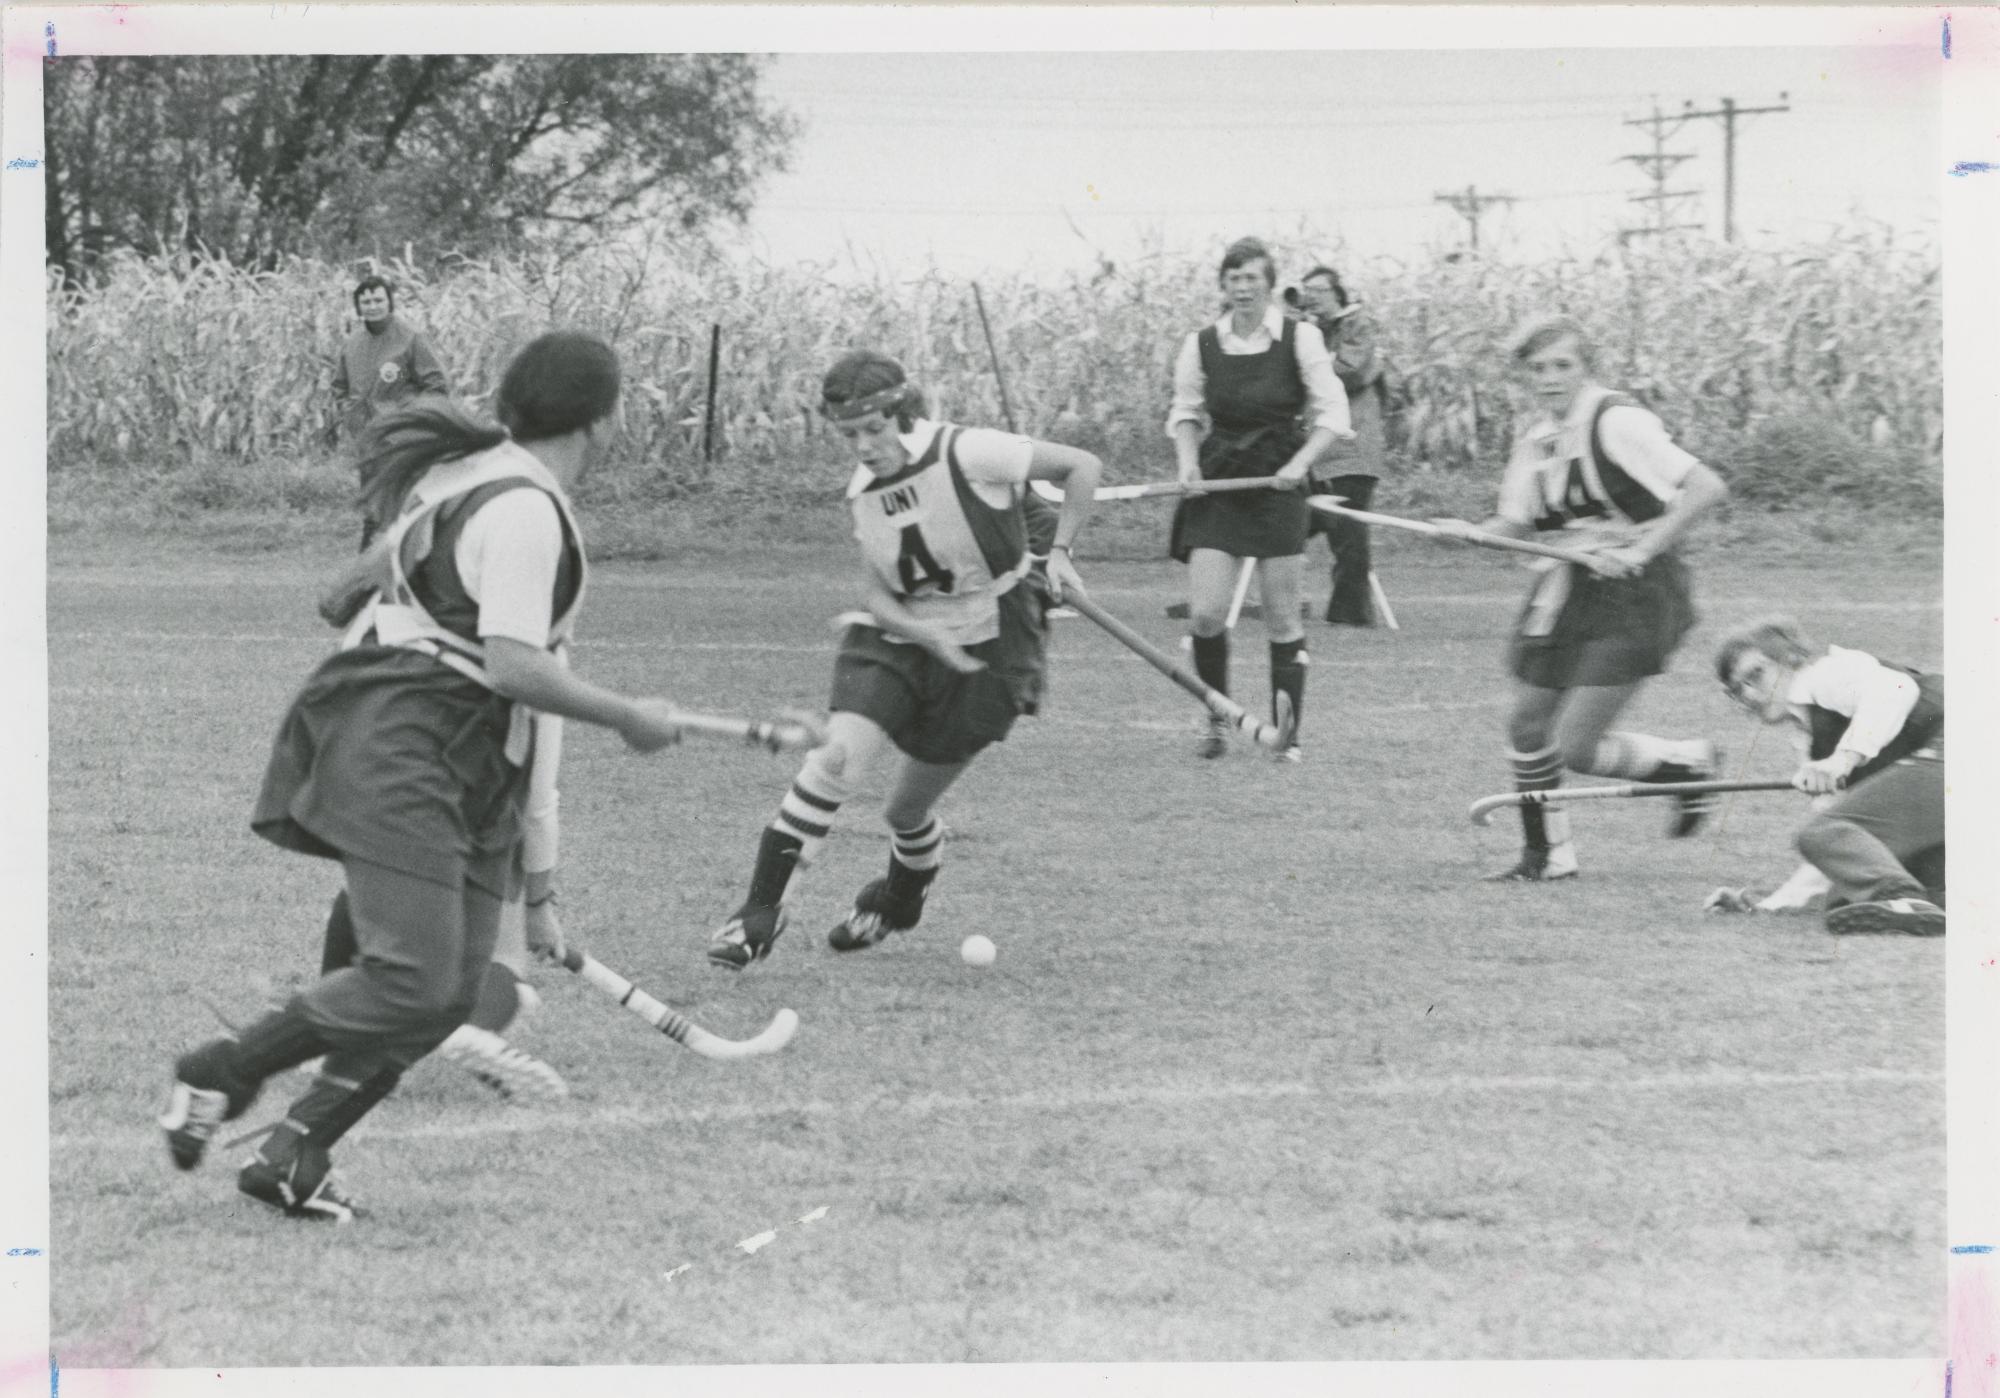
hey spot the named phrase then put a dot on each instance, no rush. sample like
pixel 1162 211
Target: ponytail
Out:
pixel 403 444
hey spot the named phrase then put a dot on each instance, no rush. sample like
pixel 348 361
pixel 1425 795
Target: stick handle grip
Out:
pixel 595 972
pixel 778 735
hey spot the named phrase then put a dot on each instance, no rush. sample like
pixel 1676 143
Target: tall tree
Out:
pixel 334 154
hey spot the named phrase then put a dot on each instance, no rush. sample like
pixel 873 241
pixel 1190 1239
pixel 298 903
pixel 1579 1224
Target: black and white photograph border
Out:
pixel 81 588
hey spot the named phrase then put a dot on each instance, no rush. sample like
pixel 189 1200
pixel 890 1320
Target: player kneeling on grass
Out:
pixel 1600 469
pixel 1873 734
pixel 958 650
pixel 406 755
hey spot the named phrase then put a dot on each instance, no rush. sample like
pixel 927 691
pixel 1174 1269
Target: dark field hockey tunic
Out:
pixel 1254 402
pixel 390 754
pixel 959 562
pixel 1578 629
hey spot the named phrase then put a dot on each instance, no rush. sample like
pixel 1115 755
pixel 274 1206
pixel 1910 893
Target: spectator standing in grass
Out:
pixel 1873 737
pixel 406 757
pixel 1254 394
pixel 382 364
pixel 1601 470
pixel 960 653
pixel 1353 465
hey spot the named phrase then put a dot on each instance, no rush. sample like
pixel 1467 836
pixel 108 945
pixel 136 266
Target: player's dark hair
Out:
pixel 1242 253
pixel 371 282
pixel 1536 335
pixel 1322 270
pixel 865 381
pixel 561 383
pixel 1778 637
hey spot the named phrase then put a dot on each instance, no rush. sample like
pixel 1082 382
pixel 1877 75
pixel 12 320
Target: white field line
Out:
pixel 509 1121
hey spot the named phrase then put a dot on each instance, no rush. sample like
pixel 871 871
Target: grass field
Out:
pixel 1262 1072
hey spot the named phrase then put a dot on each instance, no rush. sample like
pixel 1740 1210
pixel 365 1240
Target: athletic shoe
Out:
pixel 1539 866
pixel 304 1187
pixel 500 1065
pixel 1912 916
pixel 1293 753
pixel 1211 737
pixel 746 937
pixel 874 917
pixel 191 1120
pixel 1690 812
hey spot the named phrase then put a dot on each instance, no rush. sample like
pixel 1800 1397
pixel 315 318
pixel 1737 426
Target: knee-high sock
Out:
pixel 1640 756
pixel 347 1089
pixel 1211 661
pixel 1288 676
pixel 914 858
pixel 238 1064
pixel 793 839
pixel 1542 827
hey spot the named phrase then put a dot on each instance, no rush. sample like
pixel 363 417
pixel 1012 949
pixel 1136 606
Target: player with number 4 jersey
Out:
pixel 954 652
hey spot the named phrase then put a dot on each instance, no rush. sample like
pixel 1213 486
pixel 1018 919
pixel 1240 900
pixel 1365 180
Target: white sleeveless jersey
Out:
pixel 915 532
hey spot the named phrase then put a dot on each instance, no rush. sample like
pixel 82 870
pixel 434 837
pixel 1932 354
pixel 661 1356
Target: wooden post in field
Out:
pixel 714 365
pixel 1006 408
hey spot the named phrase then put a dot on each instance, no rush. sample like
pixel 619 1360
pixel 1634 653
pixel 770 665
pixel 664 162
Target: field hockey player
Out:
pixel 958 653
pixel 1254 395
pixel 406 754
pixel 1600 471
pixel 1873 736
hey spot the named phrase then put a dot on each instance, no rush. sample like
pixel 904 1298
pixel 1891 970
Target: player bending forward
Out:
pixel 1873 734
pixel 960 651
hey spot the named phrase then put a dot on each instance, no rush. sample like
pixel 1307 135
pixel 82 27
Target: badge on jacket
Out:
pixel 390 372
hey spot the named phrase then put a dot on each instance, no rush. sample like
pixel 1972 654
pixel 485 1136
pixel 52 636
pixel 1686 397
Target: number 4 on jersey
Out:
pixel 915 566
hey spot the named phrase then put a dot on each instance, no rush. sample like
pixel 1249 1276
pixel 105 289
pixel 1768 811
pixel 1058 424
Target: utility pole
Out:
pixel 1658 164
pixel 1470 203
pixel 1727 114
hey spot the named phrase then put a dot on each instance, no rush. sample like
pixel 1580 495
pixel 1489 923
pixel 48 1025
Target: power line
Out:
pixel 1658 164
pixel 1332 209
pixel 1727 113
pixel 1470 205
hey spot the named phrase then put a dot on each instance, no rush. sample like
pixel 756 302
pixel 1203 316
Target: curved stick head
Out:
pixel 1322 502
pixel 1485 806
pixel 772 1038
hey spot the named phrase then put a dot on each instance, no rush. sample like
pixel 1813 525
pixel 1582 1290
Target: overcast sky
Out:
pixel 983 160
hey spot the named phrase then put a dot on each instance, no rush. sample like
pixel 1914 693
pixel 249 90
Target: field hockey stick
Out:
pixel 1269 735
pixel 674 1025
pixel 1331 504
pixel 1485 806
pixel 1152 489
pixel 775 735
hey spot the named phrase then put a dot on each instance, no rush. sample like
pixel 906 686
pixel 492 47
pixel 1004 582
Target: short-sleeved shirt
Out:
pixel 932 547
pixel 1326 401
pixel 1604 460
pixel 507 557
pixel 1851 700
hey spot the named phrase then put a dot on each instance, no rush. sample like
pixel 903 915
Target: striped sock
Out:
pixel 914 858
pixel 1543 827
pixel 792 841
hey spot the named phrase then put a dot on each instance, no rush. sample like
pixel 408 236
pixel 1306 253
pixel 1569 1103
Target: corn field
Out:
pixel 1792 370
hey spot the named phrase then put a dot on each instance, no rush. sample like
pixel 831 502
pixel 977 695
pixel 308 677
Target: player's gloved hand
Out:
pixel 650 724
pixel 1293 477
pixel 1829 774
pixel 545 932
pixel 1730 900
pixel 1456 531
pixel 812 723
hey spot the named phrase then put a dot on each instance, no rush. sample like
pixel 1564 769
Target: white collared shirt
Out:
pixel 1876 699
pixel 1326 401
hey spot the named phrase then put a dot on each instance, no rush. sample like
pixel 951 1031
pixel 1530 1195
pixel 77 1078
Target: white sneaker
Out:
pixel 500 1065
